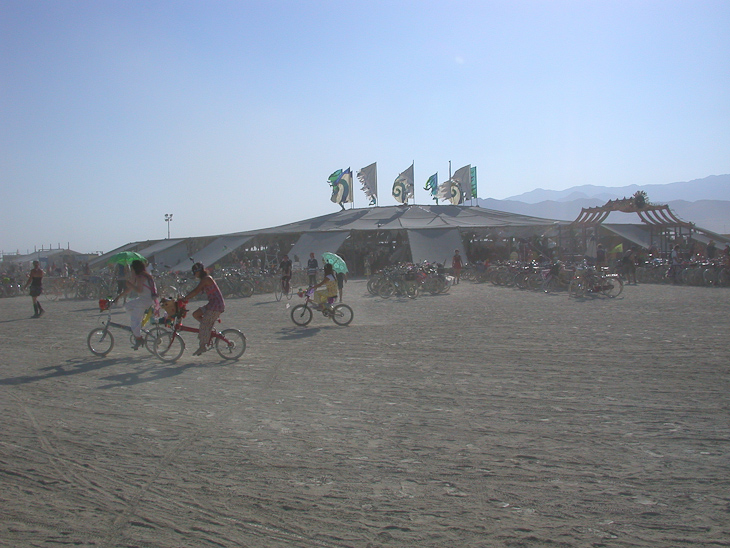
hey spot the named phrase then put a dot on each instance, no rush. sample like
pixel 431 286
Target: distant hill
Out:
pixel 704 202
pixel 714 187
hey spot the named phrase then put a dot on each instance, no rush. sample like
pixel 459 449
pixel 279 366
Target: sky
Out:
pixel 231 115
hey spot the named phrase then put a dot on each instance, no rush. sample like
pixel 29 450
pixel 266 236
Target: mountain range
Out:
pixel 704 202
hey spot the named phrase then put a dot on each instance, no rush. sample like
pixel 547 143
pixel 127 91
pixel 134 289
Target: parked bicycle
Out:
pixel 101 340
pixel 169 346
pixel 302 314
pixel 589 280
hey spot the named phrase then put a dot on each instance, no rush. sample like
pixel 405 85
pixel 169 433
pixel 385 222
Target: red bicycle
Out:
pixel 169 346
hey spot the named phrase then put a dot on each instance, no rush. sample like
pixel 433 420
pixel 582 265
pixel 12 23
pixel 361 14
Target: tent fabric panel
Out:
pixel 174 257
pixel 633 233
pixel 318 243
pixel 219 248
pixel 102 259
pixel 435 245
pixel 160 245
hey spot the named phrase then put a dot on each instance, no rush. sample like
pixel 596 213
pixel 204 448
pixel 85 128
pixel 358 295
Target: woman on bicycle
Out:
pixel 209 313
pixel 143 284
pixel 329 294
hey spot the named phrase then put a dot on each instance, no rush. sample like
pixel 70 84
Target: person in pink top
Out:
pixel 208 313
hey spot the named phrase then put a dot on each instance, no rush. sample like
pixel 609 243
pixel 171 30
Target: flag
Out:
pixel 341 182
pixel 403 186
pixel 449 191
pixel 462 176
pixel 368 176
pixel 432 185
pixel 474 182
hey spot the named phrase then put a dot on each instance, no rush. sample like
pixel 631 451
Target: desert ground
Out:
pixel 485 417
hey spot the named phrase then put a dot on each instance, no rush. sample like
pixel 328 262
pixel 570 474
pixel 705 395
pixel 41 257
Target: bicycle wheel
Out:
pixel 278 291
pixel 151 335
pixel 342 314
pixel 612 287
pixel 169 346
pixel 412 290
pixel 100 341
pixel 576 288
pixel 233 346
pixel 386 289
pixel 301 314
pixel 246 288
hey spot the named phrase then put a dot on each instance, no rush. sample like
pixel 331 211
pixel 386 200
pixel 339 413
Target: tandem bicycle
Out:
pixel 169 346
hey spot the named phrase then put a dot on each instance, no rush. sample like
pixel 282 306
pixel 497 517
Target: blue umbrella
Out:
pixel 337 262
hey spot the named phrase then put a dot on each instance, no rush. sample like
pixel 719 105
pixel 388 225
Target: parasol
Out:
pixel 126 257
pixel 337 262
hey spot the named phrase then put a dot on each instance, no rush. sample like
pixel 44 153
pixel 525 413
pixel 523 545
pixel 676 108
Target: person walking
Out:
pixel 35 281
pixel 312 268
pixel 456 265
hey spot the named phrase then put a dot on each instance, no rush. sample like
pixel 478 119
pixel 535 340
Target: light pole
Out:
pixel 168 220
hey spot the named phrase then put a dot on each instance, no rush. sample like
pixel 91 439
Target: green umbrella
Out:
pixel 126 257
pixel 337 262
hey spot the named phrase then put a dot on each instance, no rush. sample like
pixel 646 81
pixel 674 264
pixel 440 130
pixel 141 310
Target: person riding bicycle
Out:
pixel 144 285
pixel 208 313
pixel 286 267
pixel 330 292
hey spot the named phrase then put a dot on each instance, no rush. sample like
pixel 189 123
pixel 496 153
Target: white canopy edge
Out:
pixel 435 245
pixel 318 243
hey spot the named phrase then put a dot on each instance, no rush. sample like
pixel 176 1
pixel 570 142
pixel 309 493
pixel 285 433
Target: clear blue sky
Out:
pixel 231 115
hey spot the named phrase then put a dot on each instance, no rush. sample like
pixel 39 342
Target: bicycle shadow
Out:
pixel 297 333
pixel 150 374
pixel 75 366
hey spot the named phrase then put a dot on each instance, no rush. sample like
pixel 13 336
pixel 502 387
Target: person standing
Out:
pixel 143 284
pixel 286 269
pixel 341 279
pixel 35 281
pixel 209 313
pixel 629 265
pixel 456 265
pixel 676 258
pixel 122 280
pixel 312 268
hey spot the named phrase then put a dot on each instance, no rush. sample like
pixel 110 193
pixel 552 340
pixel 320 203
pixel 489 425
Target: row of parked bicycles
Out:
pixel 698 273
pixel 233 282
pixel 578 280
pixel 409 280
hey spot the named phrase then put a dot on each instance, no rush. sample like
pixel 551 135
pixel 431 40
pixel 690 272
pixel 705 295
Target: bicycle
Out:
pixel 302 314
pixel 101 340
pixel 169 346
pixel 283 287
pixel 592 281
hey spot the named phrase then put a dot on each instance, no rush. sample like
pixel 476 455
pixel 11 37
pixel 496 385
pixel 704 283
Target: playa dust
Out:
pixel 484 417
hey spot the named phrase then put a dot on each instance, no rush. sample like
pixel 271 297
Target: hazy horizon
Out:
pixel 231 115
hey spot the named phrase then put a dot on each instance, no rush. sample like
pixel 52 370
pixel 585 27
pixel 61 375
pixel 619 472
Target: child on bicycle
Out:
pixel 330 291
pixel 209 313
pixel 144 285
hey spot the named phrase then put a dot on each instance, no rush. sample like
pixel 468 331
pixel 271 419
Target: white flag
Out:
pixel 462 176
pixel 368 176
pixel 403 186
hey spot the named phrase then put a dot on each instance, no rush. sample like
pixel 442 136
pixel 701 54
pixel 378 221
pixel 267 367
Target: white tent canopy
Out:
pixel 219 248
pixel 317 242
pixel 435 245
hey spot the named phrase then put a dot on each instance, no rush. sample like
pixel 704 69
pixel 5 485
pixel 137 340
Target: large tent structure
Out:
pixel 382 235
